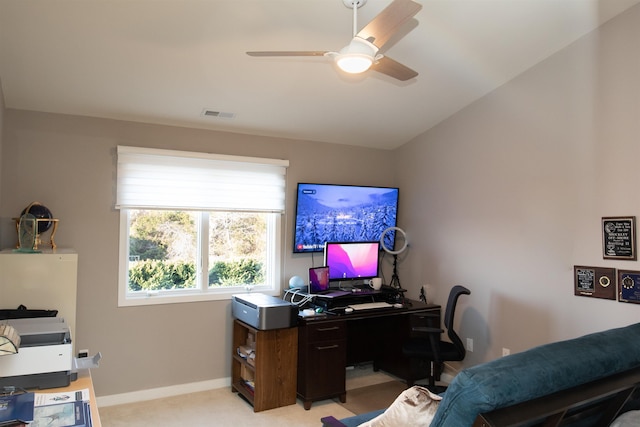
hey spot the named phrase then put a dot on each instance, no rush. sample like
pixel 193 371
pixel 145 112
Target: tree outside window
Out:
pixel 164 248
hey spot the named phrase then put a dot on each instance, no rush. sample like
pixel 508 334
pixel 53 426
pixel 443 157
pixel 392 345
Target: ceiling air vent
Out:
pixel 218 114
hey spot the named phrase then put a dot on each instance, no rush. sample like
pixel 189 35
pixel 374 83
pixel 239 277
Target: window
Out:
pixel 197 226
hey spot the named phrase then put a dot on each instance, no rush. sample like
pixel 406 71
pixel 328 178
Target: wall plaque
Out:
pixel 629 286
pixel 595 282
pixel 619 238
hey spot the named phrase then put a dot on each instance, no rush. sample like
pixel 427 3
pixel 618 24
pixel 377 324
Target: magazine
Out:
pixel 72 414
pixel 15 408
pixel 62 409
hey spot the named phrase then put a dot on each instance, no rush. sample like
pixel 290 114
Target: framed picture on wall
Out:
pixel 629 286
pixel 597 282
pixel 619 237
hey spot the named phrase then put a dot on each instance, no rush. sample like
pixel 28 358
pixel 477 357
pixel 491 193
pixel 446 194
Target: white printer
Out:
pixel 45 356
pixel 264 311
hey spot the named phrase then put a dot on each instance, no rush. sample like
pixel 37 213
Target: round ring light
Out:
pixel 397 230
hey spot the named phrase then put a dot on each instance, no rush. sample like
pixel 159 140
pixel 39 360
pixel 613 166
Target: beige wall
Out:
pixel 1 139
pixel 505 197
pixel 68 164
pixel 508 195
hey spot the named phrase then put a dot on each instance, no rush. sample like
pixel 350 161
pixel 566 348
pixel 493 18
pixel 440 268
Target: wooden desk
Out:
pixel 84 381
pixel 327 345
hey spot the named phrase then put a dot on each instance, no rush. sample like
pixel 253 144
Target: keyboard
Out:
pixel 371 305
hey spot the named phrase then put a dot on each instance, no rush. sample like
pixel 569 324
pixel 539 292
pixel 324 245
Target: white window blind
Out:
pixel 165 179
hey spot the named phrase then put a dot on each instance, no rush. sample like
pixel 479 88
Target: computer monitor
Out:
pixel 352 260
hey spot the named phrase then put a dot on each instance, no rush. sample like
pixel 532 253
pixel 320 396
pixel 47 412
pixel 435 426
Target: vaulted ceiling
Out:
pixel 168 61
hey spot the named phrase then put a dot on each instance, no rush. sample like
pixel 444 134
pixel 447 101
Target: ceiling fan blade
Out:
pixel 386 23
pixel 289 53
pixel 388 66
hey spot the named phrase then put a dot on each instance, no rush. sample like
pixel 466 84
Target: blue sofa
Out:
pixel 531 374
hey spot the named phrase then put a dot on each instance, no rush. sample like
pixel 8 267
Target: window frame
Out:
pixel 202 292
pixel 161 179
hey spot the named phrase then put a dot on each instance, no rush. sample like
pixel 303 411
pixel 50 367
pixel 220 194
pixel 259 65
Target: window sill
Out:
pixel 157 298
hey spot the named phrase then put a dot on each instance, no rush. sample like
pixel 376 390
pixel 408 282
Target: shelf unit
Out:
pixel 274 370
pixel 43 281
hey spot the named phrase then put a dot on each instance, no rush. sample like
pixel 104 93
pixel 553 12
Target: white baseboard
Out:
pixel 446 378
pixel 175 390
pixel 157 393
pixel 451 369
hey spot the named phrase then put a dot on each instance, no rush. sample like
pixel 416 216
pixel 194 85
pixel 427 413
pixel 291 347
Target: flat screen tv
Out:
pixel 352 260
pixel 343 213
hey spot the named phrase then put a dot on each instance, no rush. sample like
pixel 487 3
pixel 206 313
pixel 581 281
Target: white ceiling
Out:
pixel 165 61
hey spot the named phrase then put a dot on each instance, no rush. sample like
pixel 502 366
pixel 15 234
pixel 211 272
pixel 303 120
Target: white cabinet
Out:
pixel 46 281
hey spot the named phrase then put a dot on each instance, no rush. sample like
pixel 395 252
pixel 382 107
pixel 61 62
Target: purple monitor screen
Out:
pixel 318 279
pixel 351 260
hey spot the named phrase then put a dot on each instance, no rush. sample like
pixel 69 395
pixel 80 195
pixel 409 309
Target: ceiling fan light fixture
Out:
pixel 357 57
pixel 354 63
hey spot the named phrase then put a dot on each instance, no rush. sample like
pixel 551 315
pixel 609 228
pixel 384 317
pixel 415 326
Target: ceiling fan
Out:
pixel 362 53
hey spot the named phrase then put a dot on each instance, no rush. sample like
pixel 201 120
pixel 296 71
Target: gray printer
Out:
pixel 264 311
pixel 44 359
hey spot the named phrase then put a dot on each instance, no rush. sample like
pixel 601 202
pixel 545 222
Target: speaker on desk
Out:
pixel 296 282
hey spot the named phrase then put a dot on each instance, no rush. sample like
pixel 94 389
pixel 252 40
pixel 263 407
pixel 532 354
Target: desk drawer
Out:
pixel 322 354
pixel 326 331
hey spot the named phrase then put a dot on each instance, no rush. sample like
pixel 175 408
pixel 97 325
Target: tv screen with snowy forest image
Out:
pixel 343 213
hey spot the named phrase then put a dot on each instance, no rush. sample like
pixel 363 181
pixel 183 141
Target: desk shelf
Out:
pixel 274 368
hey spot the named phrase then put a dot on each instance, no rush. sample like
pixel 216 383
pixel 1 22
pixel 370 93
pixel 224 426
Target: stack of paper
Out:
pixel 70 409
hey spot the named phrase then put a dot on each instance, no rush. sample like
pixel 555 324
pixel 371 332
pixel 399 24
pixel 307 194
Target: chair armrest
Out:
pixel 331 422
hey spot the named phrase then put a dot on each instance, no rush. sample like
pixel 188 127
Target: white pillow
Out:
pixel 628 419
pixel 415 406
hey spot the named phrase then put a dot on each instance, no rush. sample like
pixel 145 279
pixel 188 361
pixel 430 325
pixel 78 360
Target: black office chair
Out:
pixel 428 346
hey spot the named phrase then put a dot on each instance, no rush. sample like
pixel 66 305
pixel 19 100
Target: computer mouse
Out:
pixel 348 310
pixel 308 312
pixel 398 305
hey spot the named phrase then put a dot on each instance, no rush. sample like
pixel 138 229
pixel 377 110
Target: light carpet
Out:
pixel 370 398
pixel 215 408
pixel 222 408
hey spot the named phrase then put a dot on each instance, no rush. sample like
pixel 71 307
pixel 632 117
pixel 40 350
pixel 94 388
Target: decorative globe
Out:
pixel 40 212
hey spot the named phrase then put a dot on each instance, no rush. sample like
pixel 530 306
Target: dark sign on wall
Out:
pixel 619 238
pixel 595 282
